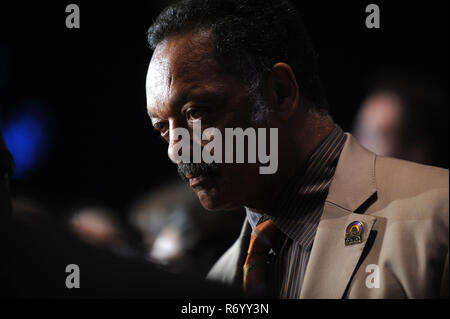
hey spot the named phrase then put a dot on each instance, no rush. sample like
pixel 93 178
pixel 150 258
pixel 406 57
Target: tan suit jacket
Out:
pixel 404 251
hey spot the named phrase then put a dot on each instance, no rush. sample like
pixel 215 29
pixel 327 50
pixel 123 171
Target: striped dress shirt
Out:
pixel 298 213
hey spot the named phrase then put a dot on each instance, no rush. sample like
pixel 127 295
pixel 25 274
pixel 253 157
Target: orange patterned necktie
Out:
pixel 261 242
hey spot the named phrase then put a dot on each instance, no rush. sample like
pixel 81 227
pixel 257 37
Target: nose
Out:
pixel 179 143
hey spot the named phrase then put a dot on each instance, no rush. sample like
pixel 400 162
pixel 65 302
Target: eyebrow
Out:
pixel 177 101
pixel 189 95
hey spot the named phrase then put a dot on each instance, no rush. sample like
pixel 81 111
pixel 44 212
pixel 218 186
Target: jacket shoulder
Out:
pixel 398 179
pixel 409 191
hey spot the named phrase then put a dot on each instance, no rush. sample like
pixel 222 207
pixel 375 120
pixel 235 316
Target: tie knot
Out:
pixel 262 237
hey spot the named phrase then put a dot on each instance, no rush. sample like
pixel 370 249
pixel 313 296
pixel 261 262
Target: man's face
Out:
pixel 186 84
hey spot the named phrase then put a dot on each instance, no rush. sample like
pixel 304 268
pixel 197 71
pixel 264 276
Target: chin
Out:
pixel 213 201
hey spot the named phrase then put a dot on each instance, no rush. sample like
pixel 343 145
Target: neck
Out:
pixel 305 135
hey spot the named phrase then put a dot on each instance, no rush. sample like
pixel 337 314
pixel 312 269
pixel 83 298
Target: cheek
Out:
pixel 241 178
pixel 237 112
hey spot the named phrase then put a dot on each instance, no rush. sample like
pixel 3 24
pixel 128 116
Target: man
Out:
pixel 345 223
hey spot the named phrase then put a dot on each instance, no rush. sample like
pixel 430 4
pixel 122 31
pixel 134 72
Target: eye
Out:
pixel 161 127
pixel 194 114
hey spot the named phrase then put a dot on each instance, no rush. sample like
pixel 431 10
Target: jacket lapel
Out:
pixel 331 263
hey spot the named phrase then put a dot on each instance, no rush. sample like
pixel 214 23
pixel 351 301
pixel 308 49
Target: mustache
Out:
pixel 197 169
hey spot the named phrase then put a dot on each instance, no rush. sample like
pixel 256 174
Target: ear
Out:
pixel 284 91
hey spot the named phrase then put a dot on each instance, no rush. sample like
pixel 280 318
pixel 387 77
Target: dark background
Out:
pixel 91 83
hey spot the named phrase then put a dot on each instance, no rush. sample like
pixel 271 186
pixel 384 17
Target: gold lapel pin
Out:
pixel 353 233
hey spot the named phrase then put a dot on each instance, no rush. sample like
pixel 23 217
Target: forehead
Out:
pixel 183 63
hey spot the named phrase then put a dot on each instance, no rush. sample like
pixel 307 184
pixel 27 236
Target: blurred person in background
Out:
pixel 406 117
pixel 179 233
pixel 100 226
